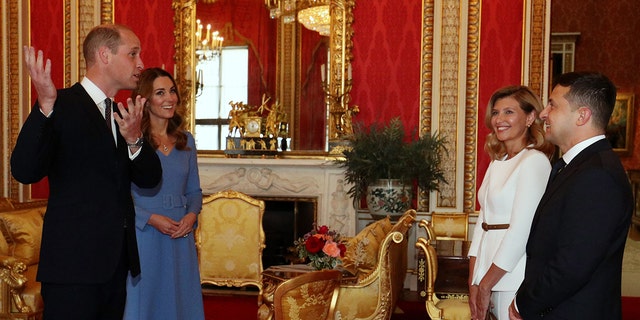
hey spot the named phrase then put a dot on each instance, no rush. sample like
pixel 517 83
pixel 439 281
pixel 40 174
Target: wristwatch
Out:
pixel 138 143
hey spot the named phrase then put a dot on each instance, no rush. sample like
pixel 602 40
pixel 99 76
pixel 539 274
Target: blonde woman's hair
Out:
pixel 529 103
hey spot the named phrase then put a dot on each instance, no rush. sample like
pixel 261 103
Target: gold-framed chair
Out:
pixel 453 307
pixel 379 285
pixel 312 295
pixel 450 225
pixel 230 240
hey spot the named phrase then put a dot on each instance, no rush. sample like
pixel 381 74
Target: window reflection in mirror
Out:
pixel 284 65
pixel 244 77
pixel 221 78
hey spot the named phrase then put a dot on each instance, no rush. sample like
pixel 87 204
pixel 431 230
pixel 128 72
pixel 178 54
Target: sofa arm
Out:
pixel 12 278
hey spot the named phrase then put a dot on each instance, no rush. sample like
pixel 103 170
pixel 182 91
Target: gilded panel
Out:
pixel 454 15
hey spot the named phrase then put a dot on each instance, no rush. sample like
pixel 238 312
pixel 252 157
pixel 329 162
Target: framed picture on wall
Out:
pixel 620 127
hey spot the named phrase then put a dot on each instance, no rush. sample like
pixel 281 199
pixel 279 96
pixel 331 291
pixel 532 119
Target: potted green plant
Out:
pixel 384 164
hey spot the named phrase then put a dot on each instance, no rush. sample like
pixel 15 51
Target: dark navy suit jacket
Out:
pixel 90 180
pixel 575 248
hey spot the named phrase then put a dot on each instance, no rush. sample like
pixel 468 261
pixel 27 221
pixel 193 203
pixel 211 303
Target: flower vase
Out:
pixel 388 197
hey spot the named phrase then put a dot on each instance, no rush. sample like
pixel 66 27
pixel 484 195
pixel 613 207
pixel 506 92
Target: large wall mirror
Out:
pixel 304 72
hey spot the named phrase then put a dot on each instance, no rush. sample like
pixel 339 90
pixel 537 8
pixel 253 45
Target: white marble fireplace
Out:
pixel 286 178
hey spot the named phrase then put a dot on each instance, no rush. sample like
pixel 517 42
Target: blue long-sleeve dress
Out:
pixel 169 284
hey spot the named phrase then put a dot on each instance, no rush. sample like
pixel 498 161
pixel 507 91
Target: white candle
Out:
pixel 208 33
pixel 322 74
pixel 349 72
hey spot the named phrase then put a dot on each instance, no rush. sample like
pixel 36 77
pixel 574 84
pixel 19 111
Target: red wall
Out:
pixel 608 43
pixel 386 64
pixel 386 68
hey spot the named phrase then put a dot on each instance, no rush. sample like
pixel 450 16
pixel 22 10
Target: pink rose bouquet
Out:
pixel 321 247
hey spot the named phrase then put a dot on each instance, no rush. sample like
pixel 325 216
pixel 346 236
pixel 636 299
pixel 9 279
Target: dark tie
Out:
pixel 107 112
pixel 557 167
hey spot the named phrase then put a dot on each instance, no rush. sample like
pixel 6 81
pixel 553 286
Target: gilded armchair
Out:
pixel 230 240
pixel 20 234
pixel 378 287
pixel 312 295
pixel 451 307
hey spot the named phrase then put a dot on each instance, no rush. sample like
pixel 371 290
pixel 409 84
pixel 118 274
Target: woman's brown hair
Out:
pixel 176 126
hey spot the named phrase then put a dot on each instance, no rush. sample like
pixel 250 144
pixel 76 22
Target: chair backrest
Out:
pixel 230 240
pixel 312 295
pixel 375 296
pixel 450 225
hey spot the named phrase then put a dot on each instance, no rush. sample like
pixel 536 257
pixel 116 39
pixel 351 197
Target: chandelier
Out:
pixel 313 14
pixel 208 43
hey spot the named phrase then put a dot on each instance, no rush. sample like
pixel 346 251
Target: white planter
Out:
pixel 388 197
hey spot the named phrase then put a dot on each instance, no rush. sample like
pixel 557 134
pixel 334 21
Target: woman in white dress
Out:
pixel 508 197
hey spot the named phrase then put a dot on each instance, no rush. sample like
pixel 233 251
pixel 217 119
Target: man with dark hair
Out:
pixel 91 156
pixel 576 243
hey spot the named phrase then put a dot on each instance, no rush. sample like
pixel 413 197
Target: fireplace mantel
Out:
pixel 288 178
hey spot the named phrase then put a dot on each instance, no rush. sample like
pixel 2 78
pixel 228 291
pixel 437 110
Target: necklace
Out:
pixel 165 148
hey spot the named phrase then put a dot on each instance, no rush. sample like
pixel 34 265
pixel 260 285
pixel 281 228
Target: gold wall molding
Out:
pixel 14 88
pixel 449 82
pixel 537 48
pixel 471 107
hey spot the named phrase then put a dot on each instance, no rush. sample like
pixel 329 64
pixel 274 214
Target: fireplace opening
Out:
pixel 284 221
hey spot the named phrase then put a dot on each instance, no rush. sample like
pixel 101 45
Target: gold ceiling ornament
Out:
pixel 313 14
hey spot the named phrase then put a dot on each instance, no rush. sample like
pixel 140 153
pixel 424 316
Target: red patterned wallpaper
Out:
pixel 500 61
pixel 608 43
pixel 386 67
pixel 46 35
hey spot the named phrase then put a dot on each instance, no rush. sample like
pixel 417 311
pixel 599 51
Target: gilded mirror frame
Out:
pixel 340 51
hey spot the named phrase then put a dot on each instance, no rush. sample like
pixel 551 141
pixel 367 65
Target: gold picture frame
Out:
pixel 620 128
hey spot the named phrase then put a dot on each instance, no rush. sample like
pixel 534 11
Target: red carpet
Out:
pixel 245 307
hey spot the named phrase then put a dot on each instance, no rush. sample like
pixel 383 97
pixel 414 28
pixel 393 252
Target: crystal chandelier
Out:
pixel 313 14
pixel 208 43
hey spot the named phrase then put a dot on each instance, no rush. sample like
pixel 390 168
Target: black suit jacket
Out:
pixel 574 252
pixel 90 179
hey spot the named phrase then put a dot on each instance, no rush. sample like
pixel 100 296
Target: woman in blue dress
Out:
pixel 169 284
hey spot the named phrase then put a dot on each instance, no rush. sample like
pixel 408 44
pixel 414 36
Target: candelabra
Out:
pixel 337 100
pixel 209 43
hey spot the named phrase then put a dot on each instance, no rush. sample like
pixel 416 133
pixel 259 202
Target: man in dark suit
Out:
pixel 575 248
pixel 88 237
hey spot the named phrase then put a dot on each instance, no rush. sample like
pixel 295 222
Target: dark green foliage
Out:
pixel 383 152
